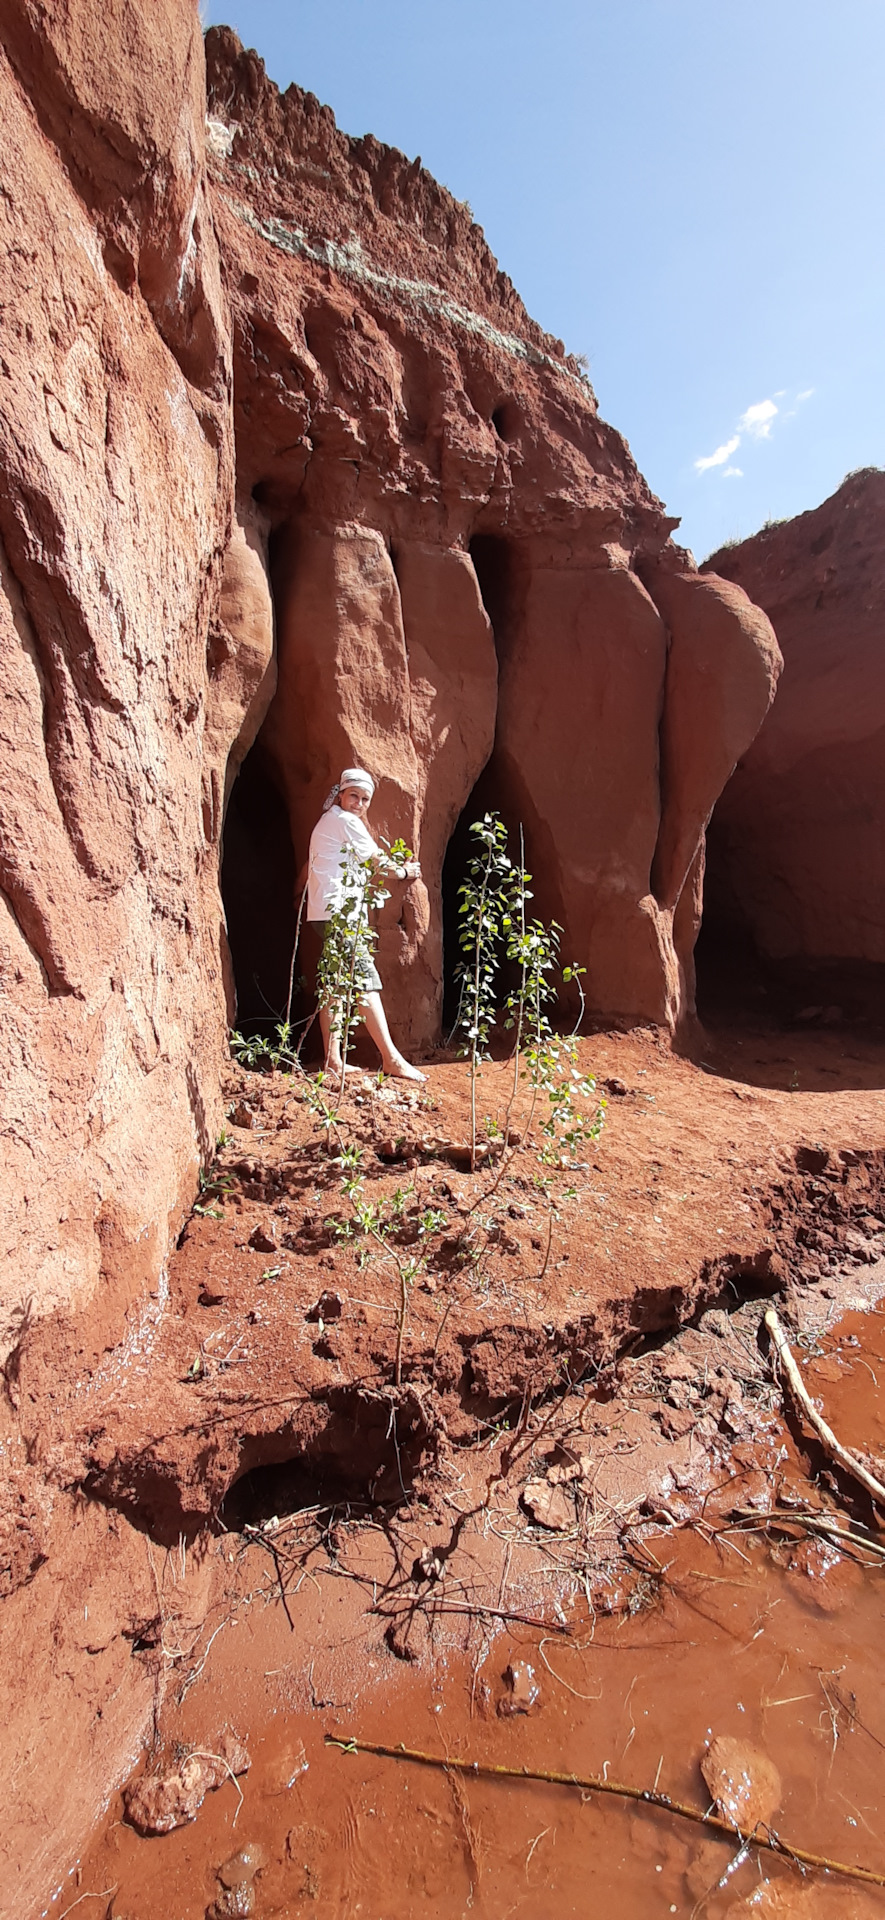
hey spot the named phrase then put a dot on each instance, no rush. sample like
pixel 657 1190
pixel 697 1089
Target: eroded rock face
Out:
pixel 116 485
pixel 457 548
pixel 412 502
pixel 799 834
pixel 284 462
pixel 723 664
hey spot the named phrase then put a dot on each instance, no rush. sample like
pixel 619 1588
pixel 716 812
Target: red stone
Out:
pixel 798 831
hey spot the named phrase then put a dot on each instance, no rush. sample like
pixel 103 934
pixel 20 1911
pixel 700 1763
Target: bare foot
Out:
pixel 333 1069
pixel 399 1069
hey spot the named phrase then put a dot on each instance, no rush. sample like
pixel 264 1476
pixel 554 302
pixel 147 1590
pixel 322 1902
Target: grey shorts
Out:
pixel 367 979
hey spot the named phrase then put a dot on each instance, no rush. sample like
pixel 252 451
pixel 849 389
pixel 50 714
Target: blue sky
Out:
pixel 688 191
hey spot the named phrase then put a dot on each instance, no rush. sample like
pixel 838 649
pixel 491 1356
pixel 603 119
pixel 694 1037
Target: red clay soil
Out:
pixel 249 1369
pixel 694 1663
pixel 711 1182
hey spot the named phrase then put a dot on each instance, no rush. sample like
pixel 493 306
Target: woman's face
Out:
pixel 354 800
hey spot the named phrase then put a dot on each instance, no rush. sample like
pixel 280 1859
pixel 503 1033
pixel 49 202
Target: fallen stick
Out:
pixel 752 1520
pixel 770 1842
pixel 832 1446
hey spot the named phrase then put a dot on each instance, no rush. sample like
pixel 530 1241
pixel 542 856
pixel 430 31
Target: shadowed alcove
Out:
pixel 495 561
pixel 258 889
pixel 738 984
pixel 734 983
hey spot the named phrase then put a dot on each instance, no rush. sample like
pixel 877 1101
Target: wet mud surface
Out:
pixel 237 1524
pixel 699 1621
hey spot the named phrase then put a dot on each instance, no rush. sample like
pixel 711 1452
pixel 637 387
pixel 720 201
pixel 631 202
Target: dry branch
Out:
pixel 792 1520
pixel 842 1456
pixel 768 1841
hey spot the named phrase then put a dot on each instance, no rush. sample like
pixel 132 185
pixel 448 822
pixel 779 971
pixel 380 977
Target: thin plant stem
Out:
pixel 401 1323
pixel 842 1455
pixel 292 965
pixel 550 1219
pixel 439 1334
pixel 474 1043
pixel 520 1014
pixel 508 1159
pixel 403 1309
pixel 347 1020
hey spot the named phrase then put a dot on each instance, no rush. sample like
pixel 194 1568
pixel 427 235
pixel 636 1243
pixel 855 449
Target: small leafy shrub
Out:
pixel 495 925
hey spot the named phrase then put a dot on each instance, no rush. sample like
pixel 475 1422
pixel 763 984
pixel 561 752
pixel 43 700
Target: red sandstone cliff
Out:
pixel 467 566
pixel 418 457
pixel 116 491
pixel 396 418
pixel 274 412
pixel 116 486
pixel 799 833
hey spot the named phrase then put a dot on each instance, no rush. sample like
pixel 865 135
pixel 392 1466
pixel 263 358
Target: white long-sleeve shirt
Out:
pixel 334 833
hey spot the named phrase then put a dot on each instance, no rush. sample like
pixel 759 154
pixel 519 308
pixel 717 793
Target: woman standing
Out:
pixel 341 833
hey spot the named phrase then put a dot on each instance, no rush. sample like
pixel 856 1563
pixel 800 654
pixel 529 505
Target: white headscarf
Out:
pixel 351 777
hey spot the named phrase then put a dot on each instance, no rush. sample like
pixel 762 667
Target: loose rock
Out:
pixel 242 1867
pixel 233 1903
pixel 329 1306
pixel 744 1784
pixel 263 1239
pixel 523 1692
pixel 155 1805
pixel 548 1505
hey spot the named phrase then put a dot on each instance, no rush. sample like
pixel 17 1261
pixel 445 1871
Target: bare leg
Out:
pixel 331 1043
pixel 332 1046
pixel 392 1060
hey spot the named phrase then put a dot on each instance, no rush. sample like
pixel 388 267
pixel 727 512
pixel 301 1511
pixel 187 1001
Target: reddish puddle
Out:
pixel 736 1642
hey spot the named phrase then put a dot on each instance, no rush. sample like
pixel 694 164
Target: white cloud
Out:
pixel 757 419
pixel 719 458
pixel 756 422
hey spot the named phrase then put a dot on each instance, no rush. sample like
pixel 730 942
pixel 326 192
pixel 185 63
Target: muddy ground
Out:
pixel 585 1449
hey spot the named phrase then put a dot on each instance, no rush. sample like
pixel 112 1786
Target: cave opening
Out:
pixel 495 563
pixel 506 420
pixel 487 797
pixel 258 890
pixel 367 1453
pixel 739 985
pixel 733 984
